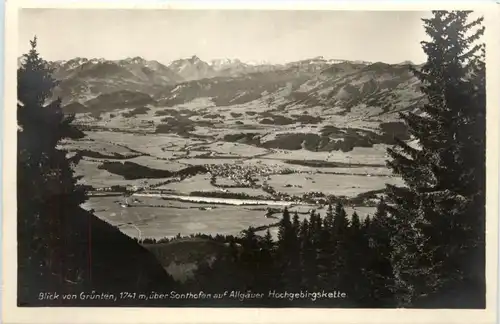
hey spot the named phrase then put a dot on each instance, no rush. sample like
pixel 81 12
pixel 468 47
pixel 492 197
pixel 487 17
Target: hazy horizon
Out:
pixel 270 36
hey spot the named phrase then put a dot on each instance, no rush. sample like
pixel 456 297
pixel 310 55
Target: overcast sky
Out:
pixel 274 36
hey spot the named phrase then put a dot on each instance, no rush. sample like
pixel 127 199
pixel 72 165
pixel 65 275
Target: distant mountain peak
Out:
pixel 195 58
pixel 259 62
pixel 191 68
pixel 225 61
pixel 136 59
pixel 406 63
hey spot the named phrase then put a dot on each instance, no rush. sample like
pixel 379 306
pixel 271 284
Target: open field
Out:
pixel 199 182
pixel 156 145
pixel 154 217
pixel 99 149
pixel 233 149
pixel 375 156
pixel 244 174
pixel 99 178
pixel 335 184
pixel 155 163
pixel 173 217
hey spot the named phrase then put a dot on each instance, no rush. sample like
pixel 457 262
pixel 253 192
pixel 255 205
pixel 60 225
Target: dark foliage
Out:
pixel 131 171
pixel 439 217
pixel 313 254
pixel 423 247
pixel 62 248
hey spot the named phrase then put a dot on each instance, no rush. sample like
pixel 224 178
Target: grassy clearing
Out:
pixel 156 163
pixel 234 149
pixel 98 149
pixel 157 218
pixel 100 178
pixel 169 220
pixel 203 161
pixel 373 171
pixel 226 194
pixel 254 192
pixel 157 145
pixel 200 182
pixel 375 155
pixel 338 185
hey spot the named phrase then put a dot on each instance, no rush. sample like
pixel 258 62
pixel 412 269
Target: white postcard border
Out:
pixel 13 314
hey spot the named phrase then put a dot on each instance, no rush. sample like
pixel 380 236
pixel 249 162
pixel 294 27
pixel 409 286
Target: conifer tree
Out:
pixel 286 249
pixel 380 273
pixel 366 225
pixel 355 223
pixel 326 250
pixel 329 217
pixel 249 259
pixel 46 185
pixel 325 255
pixel 268 242
pixel 314 246
pixel 358 265
pixel 340 223
pixel 61 246
pixel 439 215
pixel 315 227
pixel 267 273
pixel 381 225
pixel 340 231
pixel 307 257
pixel 285 227
pixel 304 229
pixel 294 271
pixel 295 224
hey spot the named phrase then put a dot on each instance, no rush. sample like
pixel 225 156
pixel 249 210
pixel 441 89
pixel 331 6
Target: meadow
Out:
pixel 238 182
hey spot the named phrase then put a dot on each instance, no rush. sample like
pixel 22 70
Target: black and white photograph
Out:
pixel 251 158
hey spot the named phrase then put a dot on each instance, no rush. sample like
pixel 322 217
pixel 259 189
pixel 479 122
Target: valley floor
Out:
pixel 144 182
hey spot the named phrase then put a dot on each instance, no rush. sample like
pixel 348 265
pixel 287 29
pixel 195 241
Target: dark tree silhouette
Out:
pixel 380 272
pixel 45 180
pixel 439 216
pixel 61 247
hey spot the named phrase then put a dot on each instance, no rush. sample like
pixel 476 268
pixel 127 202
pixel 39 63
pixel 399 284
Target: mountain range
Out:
pixel 87 85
